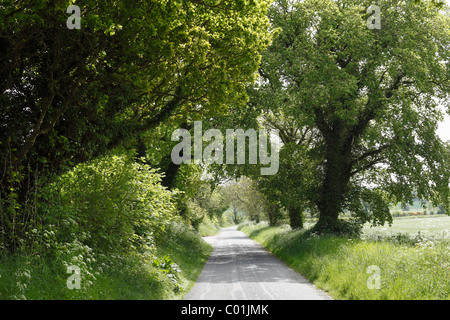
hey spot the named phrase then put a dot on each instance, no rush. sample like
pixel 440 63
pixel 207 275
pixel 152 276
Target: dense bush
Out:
pixel 168 273
pixel 110 218
pixel 111 204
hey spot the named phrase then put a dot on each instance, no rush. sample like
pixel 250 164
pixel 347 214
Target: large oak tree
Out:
pixel 373 96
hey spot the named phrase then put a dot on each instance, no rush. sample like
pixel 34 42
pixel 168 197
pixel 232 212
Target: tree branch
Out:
pixel 371 153
pixel 367 166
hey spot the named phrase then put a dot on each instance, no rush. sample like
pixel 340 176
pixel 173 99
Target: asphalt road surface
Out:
pixel 241 269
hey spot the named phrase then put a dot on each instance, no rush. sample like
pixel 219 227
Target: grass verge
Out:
pixel 181 254
pixel 211 226
pixel 394 269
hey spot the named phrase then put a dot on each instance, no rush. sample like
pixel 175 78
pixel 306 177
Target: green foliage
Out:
pixel 198 195
pixel 169 268
pixel 369 100
pixel 168 273
pixel 110 204
pixel 186 249
pixel 68 96
pixel 244 195
pixel 350 228
pixel 189 179
pixel 189 182
pixel 102 214
pixel 147 51
pixel 344 99
pixel 211 226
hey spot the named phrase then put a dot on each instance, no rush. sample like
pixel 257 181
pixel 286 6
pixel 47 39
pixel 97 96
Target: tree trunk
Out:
pixel 295 218
pixel 235 215
pixel 170 174
pixel 335 183
pixel 272 213
pixel 169 167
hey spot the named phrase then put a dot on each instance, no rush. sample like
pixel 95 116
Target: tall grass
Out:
pixel 408 269
pixel 212 226
pixel 180 256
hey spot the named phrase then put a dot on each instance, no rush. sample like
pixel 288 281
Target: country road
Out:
pixel 241 269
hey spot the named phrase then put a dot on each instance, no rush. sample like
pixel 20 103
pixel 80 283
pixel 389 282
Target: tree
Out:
pixel 129 67
pixel 372 95
pixel 293 182
pixel 244 194
pixel 69 95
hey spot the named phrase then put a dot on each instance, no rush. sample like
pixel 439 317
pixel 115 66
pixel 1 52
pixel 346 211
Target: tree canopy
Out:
pixel 69 95
pixel 373 99
pixel 356 108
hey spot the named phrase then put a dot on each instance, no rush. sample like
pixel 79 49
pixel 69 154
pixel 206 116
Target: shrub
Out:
pixel 109 204
pixel 345 228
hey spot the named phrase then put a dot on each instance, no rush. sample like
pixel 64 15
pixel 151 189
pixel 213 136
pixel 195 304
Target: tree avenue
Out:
pixel 370 100
pixel 130 129
pixel 356 101
pixel 68 95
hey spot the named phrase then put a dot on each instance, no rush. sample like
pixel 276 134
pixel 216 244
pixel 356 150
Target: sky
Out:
pixel 444 129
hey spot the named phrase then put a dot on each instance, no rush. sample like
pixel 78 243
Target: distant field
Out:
pixel 436 225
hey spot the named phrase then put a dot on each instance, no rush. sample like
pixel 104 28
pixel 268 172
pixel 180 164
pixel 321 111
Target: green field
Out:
pixel 436 226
